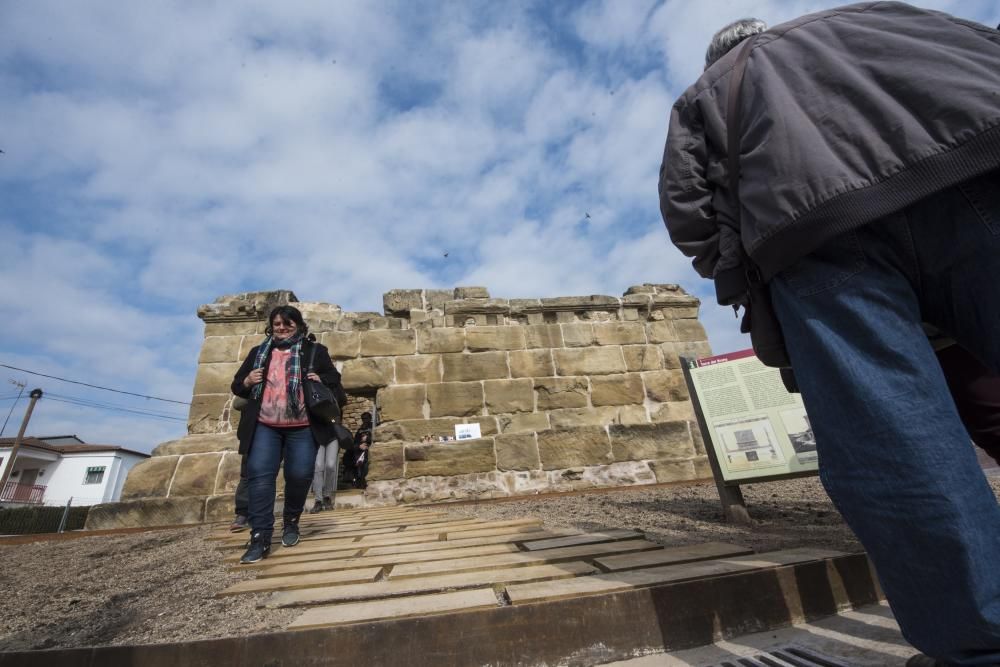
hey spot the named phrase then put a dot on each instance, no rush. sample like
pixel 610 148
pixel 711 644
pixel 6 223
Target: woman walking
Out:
pixel 275 424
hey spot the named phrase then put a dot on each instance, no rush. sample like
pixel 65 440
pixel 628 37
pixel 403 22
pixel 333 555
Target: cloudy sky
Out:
pixel 157 155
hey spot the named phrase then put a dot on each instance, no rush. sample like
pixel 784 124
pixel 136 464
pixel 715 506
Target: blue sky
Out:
pixel 160 154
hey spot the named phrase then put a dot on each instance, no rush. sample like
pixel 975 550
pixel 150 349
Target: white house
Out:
pixel 50 471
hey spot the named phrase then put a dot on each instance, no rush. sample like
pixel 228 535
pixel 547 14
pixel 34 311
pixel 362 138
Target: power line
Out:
pixel 111 406
pixel 97 407
pixel 94 386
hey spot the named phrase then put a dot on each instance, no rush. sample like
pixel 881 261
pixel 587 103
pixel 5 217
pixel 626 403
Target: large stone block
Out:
pixel 150 478
pixel 402 401
pixel 531 363
pixel 674 471
pixel 471 293
pixel 676 411
pixel 633 414
pixel 250 341
pixel 146 512
pixel 195 475
pixel 400 302
pixel 573 417
pixel 694 350
pixel 230 328
pixel 643 358
pixel 478 366
pixel 220 508
pixel 623 389
pixel 420 369
pixel 594 361
pixel 487 424
pixel 198 444
pixel 670 357
pixel 661 331
pixel 543 335
pixel 651 441
pixel 450 458
pixel 229 474
pixel 619 333
pixel 689 330
pixel 436 341
pixel 664 386
pixel 411 430
pixel 215 378
pixel 524 422
pixel 517 452
pixel 560 392
pixel 509 396
pixel 206 412
pixel 387 462
pixel 388 342
pixel 578 334
pixel 480 339
pixel 455 399
pixel 573 448
pixel 360 374
pixel 342 344
pixel 218 349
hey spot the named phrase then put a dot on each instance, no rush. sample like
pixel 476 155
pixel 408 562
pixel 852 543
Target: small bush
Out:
pixel 39 519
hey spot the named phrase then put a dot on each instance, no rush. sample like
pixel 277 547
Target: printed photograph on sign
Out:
pixel 749 444
pixel 800 432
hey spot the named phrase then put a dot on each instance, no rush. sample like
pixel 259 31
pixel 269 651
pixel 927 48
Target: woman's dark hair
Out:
pixel 289 314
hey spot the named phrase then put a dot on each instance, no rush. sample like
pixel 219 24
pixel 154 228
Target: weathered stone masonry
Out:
pixel 569 392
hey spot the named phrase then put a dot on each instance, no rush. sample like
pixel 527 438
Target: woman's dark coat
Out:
pixel 323 431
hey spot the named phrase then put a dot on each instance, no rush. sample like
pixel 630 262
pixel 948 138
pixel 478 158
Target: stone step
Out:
pixel 520 559
pixel 619 581
pixel 386 589
pixel 418 605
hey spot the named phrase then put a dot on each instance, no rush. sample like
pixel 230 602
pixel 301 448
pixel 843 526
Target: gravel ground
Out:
pixel 160 586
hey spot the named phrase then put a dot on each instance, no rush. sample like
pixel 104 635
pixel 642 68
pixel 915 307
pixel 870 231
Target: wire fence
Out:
pixel 30 520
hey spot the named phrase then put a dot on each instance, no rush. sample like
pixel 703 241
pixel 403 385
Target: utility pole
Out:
pixel 9 466
pixel 20 386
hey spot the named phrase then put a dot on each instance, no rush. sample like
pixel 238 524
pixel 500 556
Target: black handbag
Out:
pixel 759 318
pixel 320 401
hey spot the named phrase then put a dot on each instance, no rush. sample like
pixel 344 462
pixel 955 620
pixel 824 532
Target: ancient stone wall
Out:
pixel 569 393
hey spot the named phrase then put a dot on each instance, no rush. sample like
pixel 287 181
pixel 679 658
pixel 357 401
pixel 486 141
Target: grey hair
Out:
pixel 731 35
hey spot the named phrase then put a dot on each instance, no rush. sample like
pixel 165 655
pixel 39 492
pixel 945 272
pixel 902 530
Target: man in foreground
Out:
pixel 868 198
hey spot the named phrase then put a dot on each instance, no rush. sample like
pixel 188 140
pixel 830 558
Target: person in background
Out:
pixel 327 475
pixel 357 459
pixel 275 425
pixel 866 201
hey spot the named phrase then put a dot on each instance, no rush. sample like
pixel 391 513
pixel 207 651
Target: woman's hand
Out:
pixel 256 377
pixel 313 377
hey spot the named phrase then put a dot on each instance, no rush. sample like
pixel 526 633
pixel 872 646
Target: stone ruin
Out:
pixel 569 393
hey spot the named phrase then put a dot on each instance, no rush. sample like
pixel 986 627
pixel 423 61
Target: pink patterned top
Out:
pixel 274 398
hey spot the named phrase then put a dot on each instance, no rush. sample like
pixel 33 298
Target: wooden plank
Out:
pixel 584 538
pixel 327 533
pixel 284 552
pixel 488 532
pixel 284 568
pixel 418 605
pixel 293 582
pixel 387 589
pixel 617 581
pixel 469 542
pixel 233 561
pixel 519 559
pixel 672 556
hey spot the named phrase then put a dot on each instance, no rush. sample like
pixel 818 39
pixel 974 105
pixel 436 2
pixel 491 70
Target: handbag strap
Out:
pixel 734 121
pixel 312 353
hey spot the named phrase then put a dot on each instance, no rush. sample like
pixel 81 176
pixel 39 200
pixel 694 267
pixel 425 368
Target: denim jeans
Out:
pixel 270 445
pixel 894 455
pixel 324 483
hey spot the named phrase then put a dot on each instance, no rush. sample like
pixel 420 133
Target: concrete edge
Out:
pixel 576 631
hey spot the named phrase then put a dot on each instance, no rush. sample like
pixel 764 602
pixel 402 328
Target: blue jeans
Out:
pixel 270 445
pixel 894 455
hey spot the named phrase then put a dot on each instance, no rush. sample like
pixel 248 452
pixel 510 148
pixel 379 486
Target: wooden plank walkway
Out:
pixel 368 564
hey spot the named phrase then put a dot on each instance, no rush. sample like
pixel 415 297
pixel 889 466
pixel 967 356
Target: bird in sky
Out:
pixel 446 254
pixel 588 215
